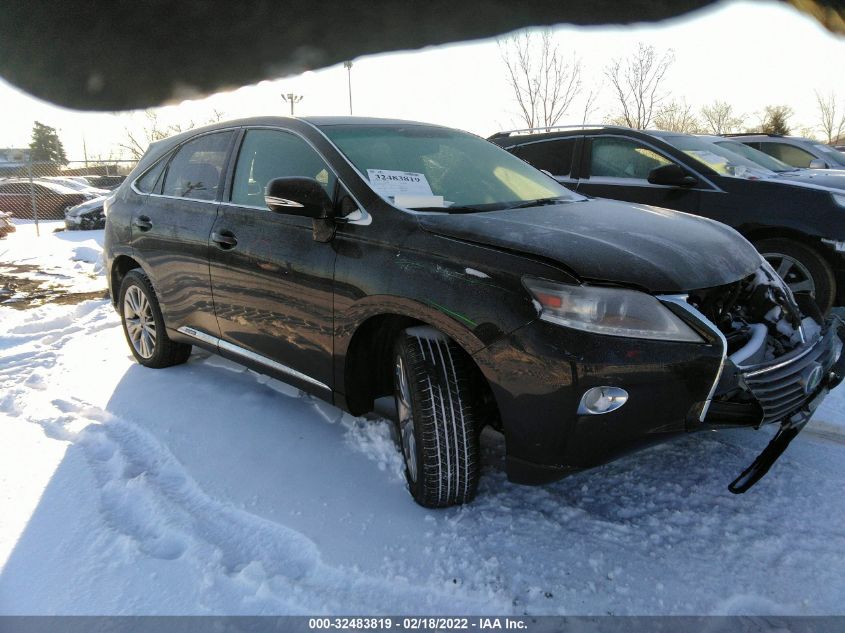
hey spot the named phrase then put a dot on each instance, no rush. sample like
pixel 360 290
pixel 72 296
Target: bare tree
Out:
pixel 637 83
pixel 590 104
pixel 831 117
pixel 543 83
pixel 136 142
pixel 677 116
pixel 808 132
pixel 719 118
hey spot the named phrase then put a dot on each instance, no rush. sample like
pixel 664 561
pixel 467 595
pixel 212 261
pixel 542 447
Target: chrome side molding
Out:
pixel 245 353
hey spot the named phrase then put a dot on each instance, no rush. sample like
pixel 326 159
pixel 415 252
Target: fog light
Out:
pixel 600 400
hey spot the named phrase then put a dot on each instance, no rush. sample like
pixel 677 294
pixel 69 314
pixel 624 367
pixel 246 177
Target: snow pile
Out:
pixel 71 260
pixel 208 489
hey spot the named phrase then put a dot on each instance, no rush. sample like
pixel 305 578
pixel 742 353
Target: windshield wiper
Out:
pixel 458 208
pixel 539 202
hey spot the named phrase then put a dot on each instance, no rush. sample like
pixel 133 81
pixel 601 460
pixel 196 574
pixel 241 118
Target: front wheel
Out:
pixel 802 268
pixel 143 324
pixel 437 418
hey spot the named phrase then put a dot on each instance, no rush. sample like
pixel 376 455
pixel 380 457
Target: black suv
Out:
pixel 794 150
pixel 357 258
pixel 799 228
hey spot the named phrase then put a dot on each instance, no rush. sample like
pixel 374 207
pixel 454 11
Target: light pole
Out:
pixel 348 66
pixel 292 99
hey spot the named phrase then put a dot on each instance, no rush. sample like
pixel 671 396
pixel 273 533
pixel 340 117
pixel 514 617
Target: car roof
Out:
pixel 317 121
pixel 778 137
pixel 157 148
pixel 517 137
pixel 55 186
pixel 321 121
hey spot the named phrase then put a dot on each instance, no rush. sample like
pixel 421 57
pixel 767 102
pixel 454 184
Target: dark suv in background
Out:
pixel 799 229
pixel 358 258
pixel 794 150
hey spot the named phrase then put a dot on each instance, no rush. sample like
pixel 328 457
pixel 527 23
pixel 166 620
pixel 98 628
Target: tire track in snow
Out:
pixel 146 494
pixel 242 563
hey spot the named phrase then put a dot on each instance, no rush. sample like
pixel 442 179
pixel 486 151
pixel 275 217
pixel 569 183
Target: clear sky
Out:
pixel 751 54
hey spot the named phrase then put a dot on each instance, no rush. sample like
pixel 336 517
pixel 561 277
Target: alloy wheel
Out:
pixel 405 412
pixel 140 324
pixel 796 275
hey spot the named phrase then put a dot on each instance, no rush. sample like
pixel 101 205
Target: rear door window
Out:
pixel 149 182
pixel 553 156
pixel 614 157
pixel 195 170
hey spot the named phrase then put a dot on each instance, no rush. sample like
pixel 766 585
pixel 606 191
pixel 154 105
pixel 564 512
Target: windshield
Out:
pixel 432 168
pixel 755 155
pixel 831 154
pixel 719 159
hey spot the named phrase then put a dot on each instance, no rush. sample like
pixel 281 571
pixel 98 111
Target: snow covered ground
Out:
pixel 208 489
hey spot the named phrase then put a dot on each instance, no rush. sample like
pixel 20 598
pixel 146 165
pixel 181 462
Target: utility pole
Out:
pixel 292 99
pixel 348 66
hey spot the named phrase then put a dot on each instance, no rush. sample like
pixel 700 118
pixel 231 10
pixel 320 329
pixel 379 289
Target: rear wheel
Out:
pixel 802 268
pixel 143 324
pixel 437 418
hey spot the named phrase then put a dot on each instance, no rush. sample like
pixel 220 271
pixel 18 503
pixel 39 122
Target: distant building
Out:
pixel 13 159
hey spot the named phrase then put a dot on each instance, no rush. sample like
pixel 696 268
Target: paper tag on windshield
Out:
pixel 397 183
pixel 417 202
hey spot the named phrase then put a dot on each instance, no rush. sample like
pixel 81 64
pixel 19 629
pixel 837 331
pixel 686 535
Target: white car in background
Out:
pixel 77 183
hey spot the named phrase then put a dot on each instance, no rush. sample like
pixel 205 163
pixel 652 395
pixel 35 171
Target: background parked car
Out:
pixel 87 216
pixel 795 150
pixel 51 199
pixel 833 178
pixel 75 183
pixel 109 183
pixel 800 230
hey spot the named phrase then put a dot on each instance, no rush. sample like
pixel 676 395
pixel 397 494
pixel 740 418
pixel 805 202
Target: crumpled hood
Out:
pixel 603 240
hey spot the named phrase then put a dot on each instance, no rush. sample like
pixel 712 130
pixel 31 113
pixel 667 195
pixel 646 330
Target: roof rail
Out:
pixel 751 134
pixel 553 128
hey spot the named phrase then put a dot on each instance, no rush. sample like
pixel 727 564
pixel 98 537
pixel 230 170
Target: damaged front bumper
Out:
pixel 780 389
pixel 786 390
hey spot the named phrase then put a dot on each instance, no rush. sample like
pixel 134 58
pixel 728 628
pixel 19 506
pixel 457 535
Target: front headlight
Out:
pixel 611 311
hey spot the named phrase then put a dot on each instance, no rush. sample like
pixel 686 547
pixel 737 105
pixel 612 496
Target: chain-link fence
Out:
pixel 73 192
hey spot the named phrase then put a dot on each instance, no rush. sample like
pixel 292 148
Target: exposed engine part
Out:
pixel 758 316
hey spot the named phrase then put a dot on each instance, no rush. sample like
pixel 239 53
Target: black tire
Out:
pixel 817 267
pixel 162 352
pixel 442 421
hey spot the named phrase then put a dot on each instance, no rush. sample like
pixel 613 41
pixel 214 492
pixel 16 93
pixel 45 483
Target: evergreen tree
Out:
pixel 46 146
pixel 776 120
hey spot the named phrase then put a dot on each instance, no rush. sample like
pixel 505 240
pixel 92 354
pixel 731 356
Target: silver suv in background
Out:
pixel 795 150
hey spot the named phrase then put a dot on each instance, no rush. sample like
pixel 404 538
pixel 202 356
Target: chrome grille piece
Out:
pixel 783 385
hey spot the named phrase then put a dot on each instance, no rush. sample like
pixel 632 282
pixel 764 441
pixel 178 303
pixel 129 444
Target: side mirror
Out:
pixel 818 163
pixel 671 175
pixel 298 196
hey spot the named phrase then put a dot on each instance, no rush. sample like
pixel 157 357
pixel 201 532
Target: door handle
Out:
pixel 224 239
pixel 142 223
